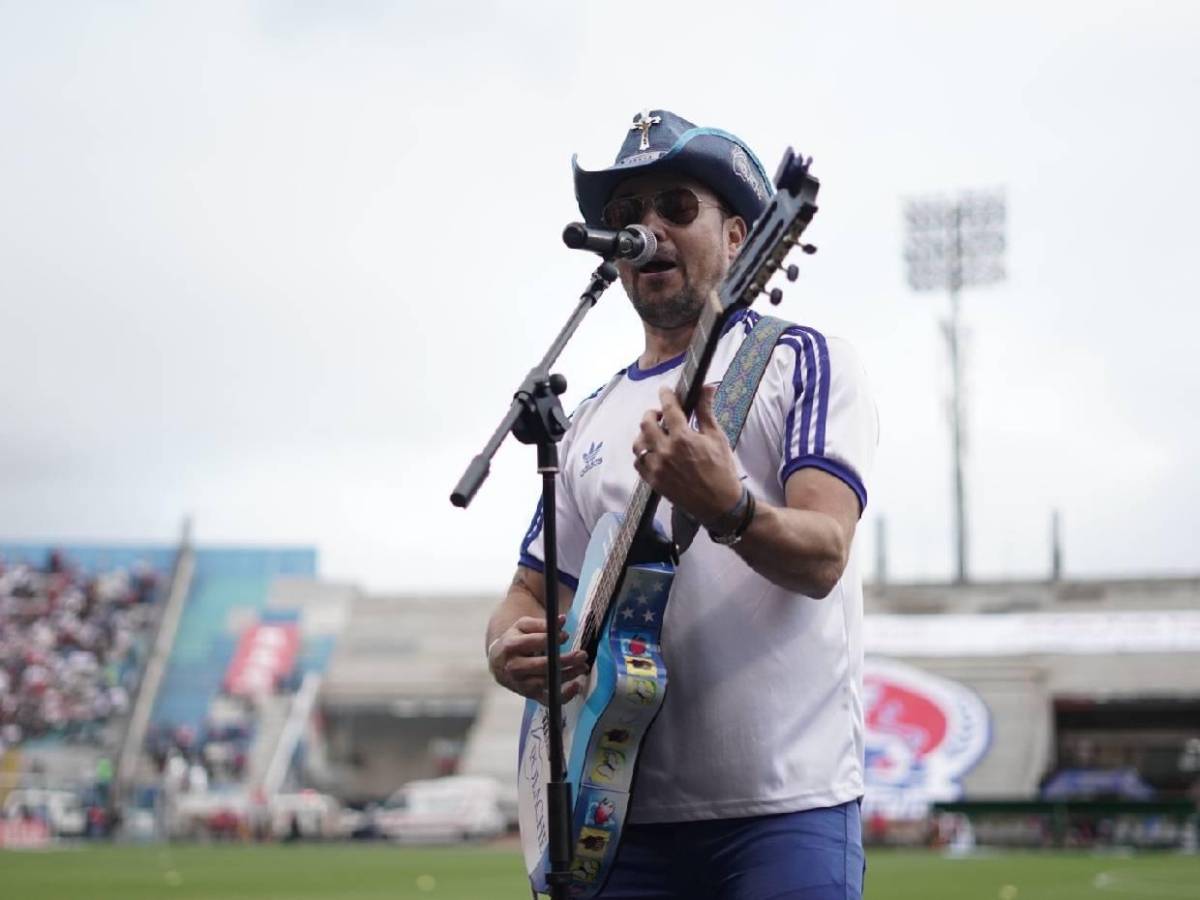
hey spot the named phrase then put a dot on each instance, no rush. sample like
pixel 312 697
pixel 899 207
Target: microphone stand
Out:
pixel 536 417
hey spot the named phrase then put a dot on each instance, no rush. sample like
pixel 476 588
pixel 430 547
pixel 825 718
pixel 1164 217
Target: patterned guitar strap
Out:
pixel 732 403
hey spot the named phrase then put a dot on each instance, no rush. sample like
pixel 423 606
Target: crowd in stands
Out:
pixel 71 647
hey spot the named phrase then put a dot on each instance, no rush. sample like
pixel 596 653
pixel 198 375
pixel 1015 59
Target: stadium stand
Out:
pixel 231 726
pixel 71 646
pixel 193 670
pixel 76 625
pixel 230 590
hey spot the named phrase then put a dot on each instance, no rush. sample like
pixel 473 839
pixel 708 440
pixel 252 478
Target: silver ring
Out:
pixel 643 452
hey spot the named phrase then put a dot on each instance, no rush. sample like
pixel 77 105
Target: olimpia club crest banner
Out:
pixel 924 733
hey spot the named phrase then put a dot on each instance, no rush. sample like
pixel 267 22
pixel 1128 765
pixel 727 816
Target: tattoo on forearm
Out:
pixel 523 582
pixel 528 583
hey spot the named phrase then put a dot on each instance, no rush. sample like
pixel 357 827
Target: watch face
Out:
pixel 745 515
pixel 726 540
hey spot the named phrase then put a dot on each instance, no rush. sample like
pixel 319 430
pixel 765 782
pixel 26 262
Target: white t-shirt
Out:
pixel 763 709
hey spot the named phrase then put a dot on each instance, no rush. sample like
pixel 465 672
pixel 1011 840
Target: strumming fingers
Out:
pixel 529 644
pixel 535 624
pixel 535 666
pixel 651 430
pixel 672 418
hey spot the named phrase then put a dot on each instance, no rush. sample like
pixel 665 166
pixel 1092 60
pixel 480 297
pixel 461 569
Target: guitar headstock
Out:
pixel 776 231
pixel 774 234
pixel 792 174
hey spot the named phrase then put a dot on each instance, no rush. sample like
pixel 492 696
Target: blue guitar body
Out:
pixel 604 726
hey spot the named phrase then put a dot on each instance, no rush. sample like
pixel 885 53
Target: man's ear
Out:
pixel 735 235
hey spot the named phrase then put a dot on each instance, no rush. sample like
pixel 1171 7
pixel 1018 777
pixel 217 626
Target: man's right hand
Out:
pixel 517 659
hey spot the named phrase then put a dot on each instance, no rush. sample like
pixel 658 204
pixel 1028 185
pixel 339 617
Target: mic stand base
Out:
pixel 558 797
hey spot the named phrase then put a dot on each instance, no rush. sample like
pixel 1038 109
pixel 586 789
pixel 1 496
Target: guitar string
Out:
pixel 600 598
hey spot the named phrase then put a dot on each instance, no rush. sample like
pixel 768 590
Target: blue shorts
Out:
pixel 816 854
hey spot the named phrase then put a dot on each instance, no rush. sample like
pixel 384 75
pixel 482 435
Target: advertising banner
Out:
pixel 924 733
pixel 265 655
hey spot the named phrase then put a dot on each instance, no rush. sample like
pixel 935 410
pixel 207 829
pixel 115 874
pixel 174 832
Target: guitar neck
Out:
pixel 639 513
pixel 687 391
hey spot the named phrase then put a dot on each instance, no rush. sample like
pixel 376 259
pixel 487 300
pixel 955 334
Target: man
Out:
pixel 748 781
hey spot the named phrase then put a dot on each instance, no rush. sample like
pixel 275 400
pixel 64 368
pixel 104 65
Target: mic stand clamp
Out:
pixel 536 417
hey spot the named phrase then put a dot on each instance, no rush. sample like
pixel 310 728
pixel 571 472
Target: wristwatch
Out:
pixel 728 529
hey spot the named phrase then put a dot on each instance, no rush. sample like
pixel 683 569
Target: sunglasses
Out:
pixel 678 205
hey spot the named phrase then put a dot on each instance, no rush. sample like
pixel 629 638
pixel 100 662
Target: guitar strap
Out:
pixel 732 403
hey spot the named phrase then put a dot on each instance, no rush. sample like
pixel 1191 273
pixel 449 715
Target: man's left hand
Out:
pixel 693 468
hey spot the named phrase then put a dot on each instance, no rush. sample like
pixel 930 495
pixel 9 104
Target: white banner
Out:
pixel 1014 634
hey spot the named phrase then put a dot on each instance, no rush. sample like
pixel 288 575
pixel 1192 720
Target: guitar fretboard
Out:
pixel 644 501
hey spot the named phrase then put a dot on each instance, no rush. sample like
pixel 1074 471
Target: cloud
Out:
pixel 281 265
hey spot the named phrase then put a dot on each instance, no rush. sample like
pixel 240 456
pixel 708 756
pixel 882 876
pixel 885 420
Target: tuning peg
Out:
pixel 808 248
pixel 792 272
pixel 776 296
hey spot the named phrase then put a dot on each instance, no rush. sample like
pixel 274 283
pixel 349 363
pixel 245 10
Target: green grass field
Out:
pixel 376 872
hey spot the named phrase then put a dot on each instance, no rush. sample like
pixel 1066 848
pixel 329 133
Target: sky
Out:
pixel 279 266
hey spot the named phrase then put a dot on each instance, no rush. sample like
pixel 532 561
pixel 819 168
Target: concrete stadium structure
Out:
pixel 405 685
pixel 1112 681
pixel 1072 673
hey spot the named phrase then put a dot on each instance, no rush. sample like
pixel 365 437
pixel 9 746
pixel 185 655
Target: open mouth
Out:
pixel 657 265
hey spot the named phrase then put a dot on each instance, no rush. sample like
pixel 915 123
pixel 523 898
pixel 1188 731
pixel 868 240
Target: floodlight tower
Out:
pixel 952 244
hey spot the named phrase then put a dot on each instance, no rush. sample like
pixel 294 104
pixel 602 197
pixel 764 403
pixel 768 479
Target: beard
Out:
pixel 674 311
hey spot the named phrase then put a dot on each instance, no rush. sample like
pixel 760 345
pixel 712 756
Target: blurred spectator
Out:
pixel 197 778
pixel 71 647
pixel 221 748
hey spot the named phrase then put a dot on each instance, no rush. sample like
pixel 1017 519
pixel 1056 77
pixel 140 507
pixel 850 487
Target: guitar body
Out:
pixel 603 727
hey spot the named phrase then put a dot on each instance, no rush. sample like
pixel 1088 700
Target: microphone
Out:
pixel 636 243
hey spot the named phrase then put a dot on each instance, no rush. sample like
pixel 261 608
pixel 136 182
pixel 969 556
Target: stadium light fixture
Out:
pixel 951 244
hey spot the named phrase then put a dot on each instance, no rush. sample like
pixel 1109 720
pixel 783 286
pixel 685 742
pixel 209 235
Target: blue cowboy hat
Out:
pixel 660 140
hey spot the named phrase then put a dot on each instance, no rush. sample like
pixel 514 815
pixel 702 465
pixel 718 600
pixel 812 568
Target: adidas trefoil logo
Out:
pixel 592 457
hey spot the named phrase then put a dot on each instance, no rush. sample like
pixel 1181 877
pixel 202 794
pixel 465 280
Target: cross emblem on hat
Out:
pixel 643 122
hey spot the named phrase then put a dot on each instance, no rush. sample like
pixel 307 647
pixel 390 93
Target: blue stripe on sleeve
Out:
pixel 823 393
pixel 804 384
pixel 529 561
pixel 833 467
pixel 535 528
pixel 797 385
pixel 812 383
